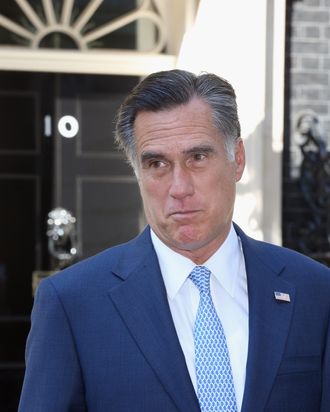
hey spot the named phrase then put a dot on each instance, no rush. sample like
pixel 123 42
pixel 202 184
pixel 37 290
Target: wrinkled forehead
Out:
pixel 192 113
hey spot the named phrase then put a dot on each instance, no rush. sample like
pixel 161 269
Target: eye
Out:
pixel 154 164
pixel 199 157
pixel 157 164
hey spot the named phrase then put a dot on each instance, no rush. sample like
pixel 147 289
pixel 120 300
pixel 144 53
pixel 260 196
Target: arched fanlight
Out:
pixel 75 29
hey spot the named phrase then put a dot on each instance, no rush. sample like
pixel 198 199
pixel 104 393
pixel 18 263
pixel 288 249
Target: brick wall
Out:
pixel 307 90
pixel 309 65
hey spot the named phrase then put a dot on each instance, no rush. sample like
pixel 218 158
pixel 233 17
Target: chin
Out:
pixel 190 244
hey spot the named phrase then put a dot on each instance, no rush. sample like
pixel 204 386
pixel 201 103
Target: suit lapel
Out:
pixel 269 322
pixel 142 303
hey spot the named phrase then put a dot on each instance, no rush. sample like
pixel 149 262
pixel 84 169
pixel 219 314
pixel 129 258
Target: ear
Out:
pixel 239 159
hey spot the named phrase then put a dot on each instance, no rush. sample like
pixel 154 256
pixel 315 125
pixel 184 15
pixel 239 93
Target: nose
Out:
pixel 182 184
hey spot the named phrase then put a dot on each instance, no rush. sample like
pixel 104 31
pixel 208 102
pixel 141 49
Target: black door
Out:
pixel 56 149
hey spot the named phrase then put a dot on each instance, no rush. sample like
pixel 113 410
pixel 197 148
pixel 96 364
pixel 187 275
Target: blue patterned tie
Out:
pixel 215 387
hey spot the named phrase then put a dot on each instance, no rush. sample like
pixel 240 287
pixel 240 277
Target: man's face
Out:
pixel 186 181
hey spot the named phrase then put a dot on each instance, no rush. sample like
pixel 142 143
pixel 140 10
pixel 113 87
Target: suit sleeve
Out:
pixel 53 380
pixel 326 375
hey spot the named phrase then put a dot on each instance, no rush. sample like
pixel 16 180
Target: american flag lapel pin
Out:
pixel 283 297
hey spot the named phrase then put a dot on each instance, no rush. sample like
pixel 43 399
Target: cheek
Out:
pixel 153 195
pixel 221 195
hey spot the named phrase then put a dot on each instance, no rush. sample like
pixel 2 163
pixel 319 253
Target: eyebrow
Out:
pixel 151 155
pixel 204 148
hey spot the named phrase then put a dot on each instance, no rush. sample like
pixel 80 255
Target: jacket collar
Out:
pixel 269 319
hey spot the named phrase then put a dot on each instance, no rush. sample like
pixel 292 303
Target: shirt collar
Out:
pixel 224 264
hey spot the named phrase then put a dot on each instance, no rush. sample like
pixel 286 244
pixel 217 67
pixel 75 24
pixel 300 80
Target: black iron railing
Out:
pixel 313 235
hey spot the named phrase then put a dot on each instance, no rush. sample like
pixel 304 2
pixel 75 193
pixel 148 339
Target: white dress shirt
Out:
pixel 229 293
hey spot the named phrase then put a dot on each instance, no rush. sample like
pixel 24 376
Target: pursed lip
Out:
pixel 183 214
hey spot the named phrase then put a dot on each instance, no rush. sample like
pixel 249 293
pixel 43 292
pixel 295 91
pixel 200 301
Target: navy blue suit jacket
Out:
pixel 102 337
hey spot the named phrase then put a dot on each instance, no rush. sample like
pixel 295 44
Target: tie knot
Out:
pixel 200 275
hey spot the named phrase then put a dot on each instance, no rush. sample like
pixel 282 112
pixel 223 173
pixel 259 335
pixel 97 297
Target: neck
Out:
pixel 199 252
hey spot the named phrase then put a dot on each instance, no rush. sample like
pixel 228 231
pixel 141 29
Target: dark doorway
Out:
pixel 56 149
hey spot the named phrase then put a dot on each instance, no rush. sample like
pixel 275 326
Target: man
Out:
pixel 192 315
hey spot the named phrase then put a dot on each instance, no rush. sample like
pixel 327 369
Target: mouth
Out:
pixel 180 215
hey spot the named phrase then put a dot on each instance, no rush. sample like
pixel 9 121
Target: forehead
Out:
pixel 191 122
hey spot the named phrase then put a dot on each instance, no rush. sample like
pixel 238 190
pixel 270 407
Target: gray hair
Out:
pixel 168 89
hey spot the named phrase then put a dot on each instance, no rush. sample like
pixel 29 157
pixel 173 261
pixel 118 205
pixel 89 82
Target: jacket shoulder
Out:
pixel 292 261
pixel 100 270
